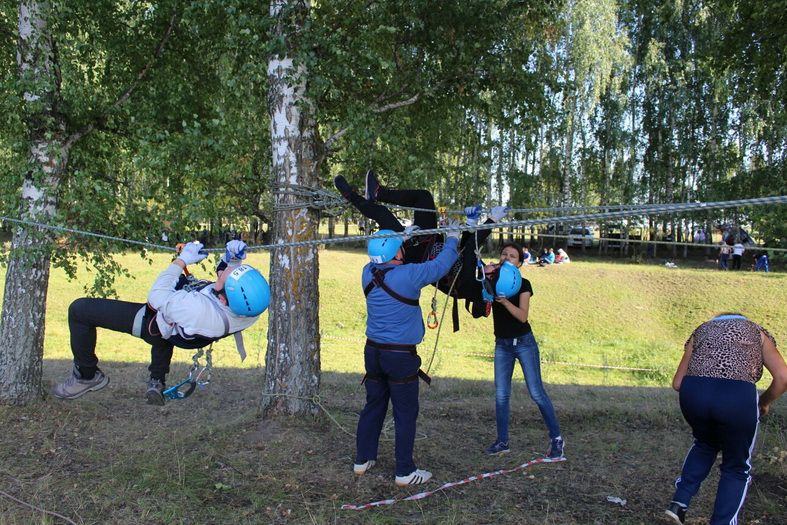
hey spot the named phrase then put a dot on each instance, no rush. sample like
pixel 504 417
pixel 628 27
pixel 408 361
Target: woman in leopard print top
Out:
pixel 722 362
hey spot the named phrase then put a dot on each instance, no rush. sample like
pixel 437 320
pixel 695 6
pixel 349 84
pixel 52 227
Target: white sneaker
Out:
pixel 415 478
pixel 359 469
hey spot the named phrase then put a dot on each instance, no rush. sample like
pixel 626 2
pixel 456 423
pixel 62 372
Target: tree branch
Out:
pixel 397 105
pixel 327 145
pixel 77 135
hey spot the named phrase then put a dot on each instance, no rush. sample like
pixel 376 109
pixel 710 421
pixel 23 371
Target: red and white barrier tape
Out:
pixel 422 495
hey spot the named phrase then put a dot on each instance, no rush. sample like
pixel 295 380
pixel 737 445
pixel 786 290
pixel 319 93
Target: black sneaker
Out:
pixel 372 187
pixel 497 448
pixel 155 392
pixel 343 186
pixel 677 512
pixel 556 448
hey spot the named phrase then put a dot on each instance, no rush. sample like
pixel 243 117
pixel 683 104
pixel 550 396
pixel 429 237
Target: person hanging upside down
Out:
pixel 179 312
pixel 394 326
pixel 460 282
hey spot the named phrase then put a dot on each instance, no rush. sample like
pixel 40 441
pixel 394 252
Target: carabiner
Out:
pixel 175 392
pixel 480 276
pixel 431 320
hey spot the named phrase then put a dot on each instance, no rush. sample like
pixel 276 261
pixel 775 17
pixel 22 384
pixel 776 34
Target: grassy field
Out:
pixel 109 458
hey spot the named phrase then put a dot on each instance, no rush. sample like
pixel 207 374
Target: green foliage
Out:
pixel 475 100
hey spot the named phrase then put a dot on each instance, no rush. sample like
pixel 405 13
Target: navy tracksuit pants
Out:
pixel 723 415
pixel 384 371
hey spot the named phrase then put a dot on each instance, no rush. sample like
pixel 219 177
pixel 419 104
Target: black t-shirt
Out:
pixel 506 325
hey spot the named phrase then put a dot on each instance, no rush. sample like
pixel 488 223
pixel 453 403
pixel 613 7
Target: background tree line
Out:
pixel 132 117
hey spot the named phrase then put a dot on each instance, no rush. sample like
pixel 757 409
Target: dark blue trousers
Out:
pixel 723 415
pixel 384 370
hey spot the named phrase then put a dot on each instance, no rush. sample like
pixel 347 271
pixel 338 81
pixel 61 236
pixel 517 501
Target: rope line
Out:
pixel 470 479
pixel 651 210
pixel 661 209
pixel 317 400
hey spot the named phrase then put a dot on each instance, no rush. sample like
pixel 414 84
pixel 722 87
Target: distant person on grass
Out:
pixel 761 263
pixel 724 255
pixel 179 312
pixel 514 341
pixel 737 255
pixel 716 379
pixel 394 326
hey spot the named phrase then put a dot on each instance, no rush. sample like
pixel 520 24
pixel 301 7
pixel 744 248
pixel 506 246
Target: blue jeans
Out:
pixel 525 349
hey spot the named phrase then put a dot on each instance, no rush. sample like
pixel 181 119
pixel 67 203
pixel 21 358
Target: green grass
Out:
pixel 594 313
pixel 109 458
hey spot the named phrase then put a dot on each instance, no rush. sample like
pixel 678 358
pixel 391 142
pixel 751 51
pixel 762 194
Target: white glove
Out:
pixel 192 253
pixel 235 252
pixel 453 230
pixel 473 213
pixel 498 212
pixel 409 231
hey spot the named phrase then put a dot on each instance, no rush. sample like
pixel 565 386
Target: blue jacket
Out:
pixel 389 320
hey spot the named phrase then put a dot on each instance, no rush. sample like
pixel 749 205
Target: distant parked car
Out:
pixel 580 237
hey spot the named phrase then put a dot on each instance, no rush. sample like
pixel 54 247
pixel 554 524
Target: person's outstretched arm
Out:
pixel 774 362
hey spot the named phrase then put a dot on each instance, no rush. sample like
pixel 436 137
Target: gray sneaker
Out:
pixel 75 386
pixel 155 392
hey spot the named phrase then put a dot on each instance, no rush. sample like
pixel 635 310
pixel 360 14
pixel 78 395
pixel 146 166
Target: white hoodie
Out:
pixel 191 313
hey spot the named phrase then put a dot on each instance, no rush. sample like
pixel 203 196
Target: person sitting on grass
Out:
pixel 526 255
pixel 179 312
pixel 548 257
pixel 514 341
pixel 561 257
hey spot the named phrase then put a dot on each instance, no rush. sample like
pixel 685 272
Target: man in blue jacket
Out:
pixel 394 326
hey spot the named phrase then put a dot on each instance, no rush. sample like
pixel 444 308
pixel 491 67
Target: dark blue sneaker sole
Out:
pixel 154 397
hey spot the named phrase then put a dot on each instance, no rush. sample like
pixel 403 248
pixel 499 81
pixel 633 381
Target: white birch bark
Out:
pixel 292 363
pixel 27 279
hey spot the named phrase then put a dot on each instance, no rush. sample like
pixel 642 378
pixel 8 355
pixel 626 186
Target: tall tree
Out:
pixel 292 364
pixel 27 278
pixel 54 125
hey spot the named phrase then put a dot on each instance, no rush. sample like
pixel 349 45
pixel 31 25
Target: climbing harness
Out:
pixel 199 376
pixel 378 280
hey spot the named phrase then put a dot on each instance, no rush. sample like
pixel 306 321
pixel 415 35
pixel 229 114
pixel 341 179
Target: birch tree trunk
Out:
pixel 27 279
pixel 292 363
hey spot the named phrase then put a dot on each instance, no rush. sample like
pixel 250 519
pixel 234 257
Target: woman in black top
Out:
pixel 514 341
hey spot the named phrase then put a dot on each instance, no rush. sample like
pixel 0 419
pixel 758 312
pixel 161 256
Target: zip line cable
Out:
pixel 660 209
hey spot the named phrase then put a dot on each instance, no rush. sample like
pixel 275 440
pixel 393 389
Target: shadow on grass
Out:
pixel 109 458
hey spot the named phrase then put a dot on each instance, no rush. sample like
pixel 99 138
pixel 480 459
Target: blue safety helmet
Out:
pixel 509 280
pixel 247 291
pixel 382 250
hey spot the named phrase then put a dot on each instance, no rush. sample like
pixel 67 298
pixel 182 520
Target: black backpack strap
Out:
pixel 455 314
pixel 378 279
